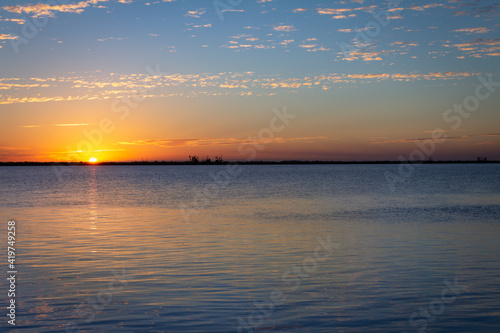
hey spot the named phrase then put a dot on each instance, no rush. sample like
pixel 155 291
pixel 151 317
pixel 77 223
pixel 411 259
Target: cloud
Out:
pixel 286 28
pixel 312 47
pixel 42 9
pixel 487 143
pixel 73 152
pixel 197 13
pixel 109 38
pixel 8 36
pixel 341 13
pixel 480 30
pixel 16 20
pixel 117 86
pixel 208 25
pixel 167 143
pixel 307 46
pixel 423 140
pixel 427 6
pixel 13 148
pixel 56 125
pixel 101 150
pixel 232 10
pixel 364 55
pixel 70 125
pixel 479 47
pixel 475 8
pixel 430 140
pixel 333 11
pixel 404 44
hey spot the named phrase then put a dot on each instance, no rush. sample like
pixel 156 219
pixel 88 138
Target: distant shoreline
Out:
pixel 290 162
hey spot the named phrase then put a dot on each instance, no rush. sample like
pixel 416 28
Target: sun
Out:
pixel 93 160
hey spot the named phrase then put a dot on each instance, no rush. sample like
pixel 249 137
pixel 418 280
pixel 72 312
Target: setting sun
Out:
pixel 93 160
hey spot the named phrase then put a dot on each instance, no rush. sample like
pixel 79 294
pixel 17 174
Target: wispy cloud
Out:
pixel 109 38
pixel 42 9
pixel 215 141
pixel 8 36
pixel 480 30
pixel 16 20
pixel 430 140
pixel 70 125
pixel 341 13
pixel 286 28
pixel 103 87
pixel 196 13
pixel 479 47
pixel 56 125
pixel 13 148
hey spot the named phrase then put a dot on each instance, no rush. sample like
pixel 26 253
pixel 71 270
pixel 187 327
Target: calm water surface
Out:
pixel 307 248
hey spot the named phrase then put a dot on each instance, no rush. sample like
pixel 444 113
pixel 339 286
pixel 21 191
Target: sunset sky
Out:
pixel 123 80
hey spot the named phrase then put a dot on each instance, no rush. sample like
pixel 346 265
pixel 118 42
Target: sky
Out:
pixel 128 80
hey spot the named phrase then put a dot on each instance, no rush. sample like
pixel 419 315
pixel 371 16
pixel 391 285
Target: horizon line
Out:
pixel 159 162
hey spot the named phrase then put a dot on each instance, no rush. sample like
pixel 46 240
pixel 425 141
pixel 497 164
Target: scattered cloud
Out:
pixel 197 13
pixel 215 141
pixel 13 148
pixel 115 86
pixel 16 20
pixel 109 38
pixel 8 36
pixel 480 30
pixel 342 13
pixel 479 47
pixel 45 9
pixel 286 28
pixel 70 125
pixel 430 140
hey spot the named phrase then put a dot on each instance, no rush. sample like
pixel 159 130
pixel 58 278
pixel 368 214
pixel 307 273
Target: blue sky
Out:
pixel 365 77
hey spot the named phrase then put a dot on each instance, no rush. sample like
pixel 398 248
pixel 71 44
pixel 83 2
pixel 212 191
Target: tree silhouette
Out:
pixel 195 159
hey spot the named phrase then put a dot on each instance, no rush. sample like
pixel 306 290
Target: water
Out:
pixel 289 248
